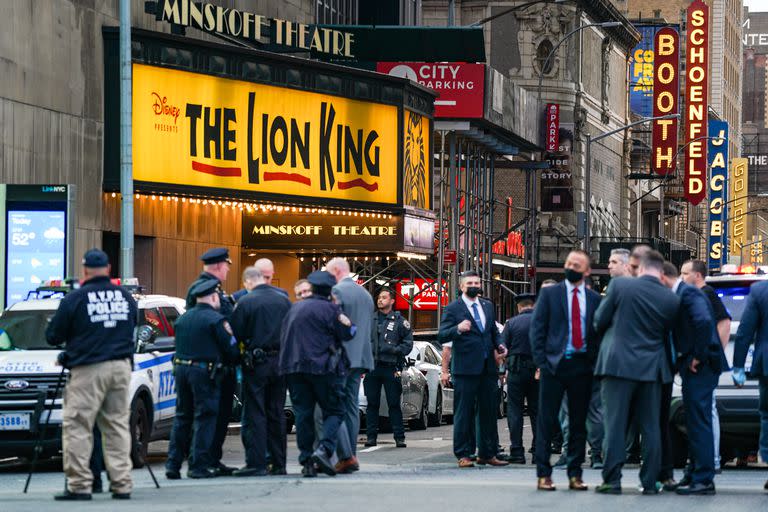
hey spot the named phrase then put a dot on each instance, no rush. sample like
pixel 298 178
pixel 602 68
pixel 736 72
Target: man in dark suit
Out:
pixel 564 346
pixel 697 358
pixel 635 318
pixel 470 324
pixel 754 329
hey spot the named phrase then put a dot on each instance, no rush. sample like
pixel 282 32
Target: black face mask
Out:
pixel 574 276
pixel 473 291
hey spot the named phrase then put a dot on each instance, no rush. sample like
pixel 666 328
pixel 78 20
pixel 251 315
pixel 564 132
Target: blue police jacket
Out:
pixel 96 323
pixel 312 333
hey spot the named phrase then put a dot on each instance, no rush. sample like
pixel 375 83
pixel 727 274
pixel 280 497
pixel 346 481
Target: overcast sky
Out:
pixel 757 5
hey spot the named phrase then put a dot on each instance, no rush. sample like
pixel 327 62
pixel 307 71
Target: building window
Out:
pixel 542 51
pixel 336 12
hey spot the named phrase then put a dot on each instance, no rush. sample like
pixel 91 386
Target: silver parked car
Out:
pixel 429 362
pixel 415 400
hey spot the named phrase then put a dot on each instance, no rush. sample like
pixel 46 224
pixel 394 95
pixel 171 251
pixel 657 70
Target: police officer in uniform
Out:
pixel 216 265
pixel 522 379
pixel 257 322
pixel 392 341
pixel 205 345
pixel 96 324
pixel 314 361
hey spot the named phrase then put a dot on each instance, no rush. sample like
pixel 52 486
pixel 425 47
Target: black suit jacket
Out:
pixel 636 317
pixel 549 326
pixel 469 349
pixel 258 317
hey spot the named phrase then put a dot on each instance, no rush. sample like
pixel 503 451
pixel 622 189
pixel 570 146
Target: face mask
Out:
pixel 473 291
pixel 573 276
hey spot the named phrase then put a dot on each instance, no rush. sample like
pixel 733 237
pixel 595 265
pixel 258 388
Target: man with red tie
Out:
pixel 564 346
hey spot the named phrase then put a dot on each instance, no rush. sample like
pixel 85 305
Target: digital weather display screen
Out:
pixel 36 243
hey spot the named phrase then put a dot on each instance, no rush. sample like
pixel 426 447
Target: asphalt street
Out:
pixel 422 476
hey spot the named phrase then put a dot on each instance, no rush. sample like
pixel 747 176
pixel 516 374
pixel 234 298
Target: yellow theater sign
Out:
pixel 203 131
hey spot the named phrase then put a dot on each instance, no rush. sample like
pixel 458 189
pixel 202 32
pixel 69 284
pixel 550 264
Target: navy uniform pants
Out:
pixel 227 394
pixel 697 397
pixel 522 386
pixel 197 405
pixel 263 415
pixel 393 389
pixel 307 390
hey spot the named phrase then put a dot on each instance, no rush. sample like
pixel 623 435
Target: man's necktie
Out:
pixel 478 320
pixel 577 340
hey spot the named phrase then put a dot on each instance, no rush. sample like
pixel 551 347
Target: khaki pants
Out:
pixel 97 393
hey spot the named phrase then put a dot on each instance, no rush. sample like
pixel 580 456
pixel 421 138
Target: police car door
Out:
pixel 153 368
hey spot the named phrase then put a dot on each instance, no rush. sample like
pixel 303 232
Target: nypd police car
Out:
pixel 28 376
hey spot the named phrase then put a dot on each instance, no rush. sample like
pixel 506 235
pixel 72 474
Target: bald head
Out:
pixel 338 268
pixel 635 258
pixel 266 268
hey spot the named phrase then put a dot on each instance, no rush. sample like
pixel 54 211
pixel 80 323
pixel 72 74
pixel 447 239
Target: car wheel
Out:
pixel 679 447
pixel 140 429
pixel 435 420
pixel 422 421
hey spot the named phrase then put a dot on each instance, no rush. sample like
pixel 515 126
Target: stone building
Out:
pixel 588 80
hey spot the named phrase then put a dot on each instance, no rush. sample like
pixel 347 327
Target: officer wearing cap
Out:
pixel 314 361
pixel 216 265
pixel 522 378
pixel 204 345
pixel 392 342
pixel 96 323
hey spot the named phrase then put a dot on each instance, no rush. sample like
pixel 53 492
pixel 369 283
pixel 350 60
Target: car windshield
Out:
pixel 734 297
pixel 24 330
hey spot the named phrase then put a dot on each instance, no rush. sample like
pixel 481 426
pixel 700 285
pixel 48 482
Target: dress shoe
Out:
pixel 400 443
pixel 652 491
pixel 516 459
pixel 669 485
pixel 608 489
pixel 222 470
pixel 172 474
pixel 466 462
pixel 697 489
pixel 597 461
pixel 197 473
pixel 97 487
pixel 561 463
pixel 121 495
pixel 545 484
pixel 347 466
pixel 633 458
pixel 308 470
pixel 575 483
pixel 493 461
pixel 557 449
pixel 73 496
pixel 502 456
pixel 246 471
pixel 323 462
pixel 685 481
pixel 370 442
pixel 277 471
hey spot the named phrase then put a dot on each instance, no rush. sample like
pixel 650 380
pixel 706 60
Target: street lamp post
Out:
pixel 532 213
pixel 588 168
